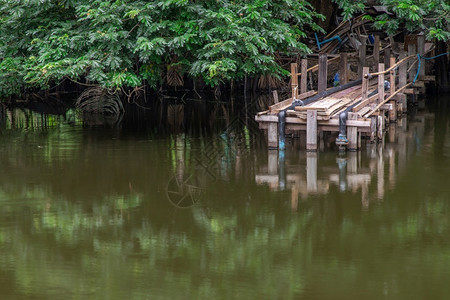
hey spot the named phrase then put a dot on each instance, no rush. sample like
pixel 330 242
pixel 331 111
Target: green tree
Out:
pixel 124 43
pixel 430 16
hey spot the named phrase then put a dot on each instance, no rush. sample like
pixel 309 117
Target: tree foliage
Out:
pixel 430 16
pixel 124 43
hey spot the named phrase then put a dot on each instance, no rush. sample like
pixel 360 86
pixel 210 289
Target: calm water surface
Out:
pixel 104 213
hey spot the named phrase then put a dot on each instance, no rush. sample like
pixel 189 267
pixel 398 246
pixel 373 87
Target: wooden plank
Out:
pixel 331 122
pixel 393 111
pixel 387 56
pixel 343 68
pixel 364 103
pixel 429 78
pixel 285 103
pixel 402 70
pixel 303 78
pixel 311 131
pixel 322 79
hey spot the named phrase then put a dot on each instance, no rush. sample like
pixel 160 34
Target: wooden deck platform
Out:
pixel 379 99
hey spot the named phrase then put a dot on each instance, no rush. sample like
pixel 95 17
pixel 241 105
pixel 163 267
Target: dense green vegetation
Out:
pixel 123 43
pixel 130 43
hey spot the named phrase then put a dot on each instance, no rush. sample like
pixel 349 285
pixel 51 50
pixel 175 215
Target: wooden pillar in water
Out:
pixel 294 80
pixel 380 84
pixel 303 78
pixel 365 83
pixel 323 67
pixel 352 133
pixel 393 102
pixel 311 172
pixel 272 135
pixel 402 77
pixel 311 130
pixel 343 68
pixel 412 68
pixel 380 127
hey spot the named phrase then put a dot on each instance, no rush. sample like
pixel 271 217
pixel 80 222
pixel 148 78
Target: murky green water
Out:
pixel 97 213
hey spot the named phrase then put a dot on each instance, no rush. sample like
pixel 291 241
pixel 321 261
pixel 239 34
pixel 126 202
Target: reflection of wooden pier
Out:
pixel 370 172
pixel 354 109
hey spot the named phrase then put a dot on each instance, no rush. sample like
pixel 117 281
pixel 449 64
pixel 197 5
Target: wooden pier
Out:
pixel 366 107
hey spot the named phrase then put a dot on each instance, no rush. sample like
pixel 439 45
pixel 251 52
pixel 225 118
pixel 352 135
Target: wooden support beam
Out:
pixel 303 78
pixel 362 57
pixel 322 80
pixel 275 96
pixel 272 135
pixel 311 130
pixel 392 75
pixel 421 51
pixel 393 111
pixel 380 83
pixel 412 70
pixel 343 68
pixel 294 80
pixel 352 133
pixel 365 83
pixel 373 129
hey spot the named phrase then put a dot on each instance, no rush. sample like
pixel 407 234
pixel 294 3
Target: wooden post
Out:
pixel 294 80
pixel 343 68
pixel 322 81
pixel 303 78
pixel 387 56
pixel 402 78
pixel 365 83
pixel 412 69
pixel 393 111
pixel 272 135
pixel 376 51
pixel 362 57
pixel 380 129
pixel 392 75
pixel 311 130
pixel 380 84
pixel 311 172
pixel 373 128
pixel 421 51
pixel 352 133
pixel 275 96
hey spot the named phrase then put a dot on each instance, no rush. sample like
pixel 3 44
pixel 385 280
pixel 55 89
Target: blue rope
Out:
pixel 419 57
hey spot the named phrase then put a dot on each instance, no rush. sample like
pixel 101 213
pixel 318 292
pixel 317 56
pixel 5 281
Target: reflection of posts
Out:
pixel 311 172
pixel 273 162
pixel 342 164
pixel 380 174
pixel 281 168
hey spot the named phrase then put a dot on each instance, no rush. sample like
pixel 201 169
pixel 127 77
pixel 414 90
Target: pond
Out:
pixel 114 212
